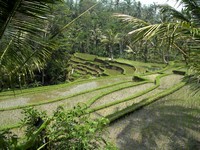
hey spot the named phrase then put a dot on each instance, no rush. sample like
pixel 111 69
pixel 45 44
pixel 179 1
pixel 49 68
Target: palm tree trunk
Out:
pixel 121 48
pixel 111 52
pixel 145 52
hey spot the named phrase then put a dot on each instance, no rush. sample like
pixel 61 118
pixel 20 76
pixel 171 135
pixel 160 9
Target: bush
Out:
pixel 66 129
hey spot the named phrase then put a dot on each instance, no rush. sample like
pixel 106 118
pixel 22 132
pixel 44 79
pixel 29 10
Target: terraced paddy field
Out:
pixel 147 108
pixel 172 122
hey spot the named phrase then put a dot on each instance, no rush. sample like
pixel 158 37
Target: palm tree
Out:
pixel 23 26
pixel 95 36
pixel 110 39
pixel 182 25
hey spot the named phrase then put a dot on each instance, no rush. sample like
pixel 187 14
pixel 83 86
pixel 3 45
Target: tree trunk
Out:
pixel 111 52
pixel 121 48
pixel 43 75
pixel 145 52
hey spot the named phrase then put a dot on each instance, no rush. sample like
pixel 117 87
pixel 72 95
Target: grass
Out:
pixel 157 81
pixel 84 56
pixel 136 63
pixel 88 68
pixel 82 72
pixel 94 99
pixel 118 105
pixel 144 102
pixel 75 96
pixel 126 69
pixel 87 61
pixel 23 92
pixel 76 60
pixel 171 122
pixel 64 97
pixel 111 72
pixel 126 66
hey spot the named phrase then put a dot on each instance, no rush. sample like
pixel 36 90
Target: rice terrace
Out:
pixel 104 75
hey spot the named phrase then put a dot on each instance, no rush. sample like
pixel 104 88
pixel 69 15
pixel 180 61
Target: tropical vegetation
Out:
pixel 120 56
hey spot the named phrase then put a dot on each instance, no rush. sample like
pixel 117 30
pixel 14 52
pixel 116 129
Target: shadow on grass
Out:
pixel 160 127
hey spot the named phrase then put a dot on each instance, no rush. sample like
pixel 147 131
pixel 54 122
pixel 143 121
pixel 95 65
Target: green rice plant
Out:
pixel 144 102
pixel 8 94
pixel 157 84
pixel 111 72
pixel 84 56
pixel 63 98
pixel 94 99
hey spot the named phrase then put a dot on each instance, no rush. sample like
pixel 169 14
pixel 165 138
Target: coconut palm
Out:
pixel 182 25
pixel 23 28
pixel 110 39
pixel 95 36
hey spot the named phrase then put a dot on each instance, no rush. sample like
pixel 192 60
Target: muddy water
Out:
pixel 38 97
pixel 48 95
pixel 166 82
pixel 14 102
pixel 151 77
pixel 64 92
pixel 13 116
pixel 121 94
pixel 10 117
pixel 169 81
pixel 123 105
pixel 71 102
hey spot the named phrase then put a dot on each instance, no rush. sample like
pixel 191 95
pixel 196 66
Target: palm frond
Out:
pixel 193 7
pixel 23 15
pixel 171 11
pixel 23 25
pixel 147 32
pixel 131 19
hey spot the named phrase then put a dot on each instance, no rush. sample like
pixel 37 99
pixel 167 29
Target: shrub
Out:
pixel 66 129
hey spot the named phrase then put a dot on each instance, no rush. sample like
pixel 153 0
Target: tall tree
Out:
pixel 183 24
pixel 23 26
pixel 110 39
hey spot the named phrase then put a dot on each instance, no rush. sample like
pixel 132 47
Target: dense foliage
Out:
pixel 37 38
pixel 178 31
pixel 71 129
pixel 42 45
pixel 36 51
